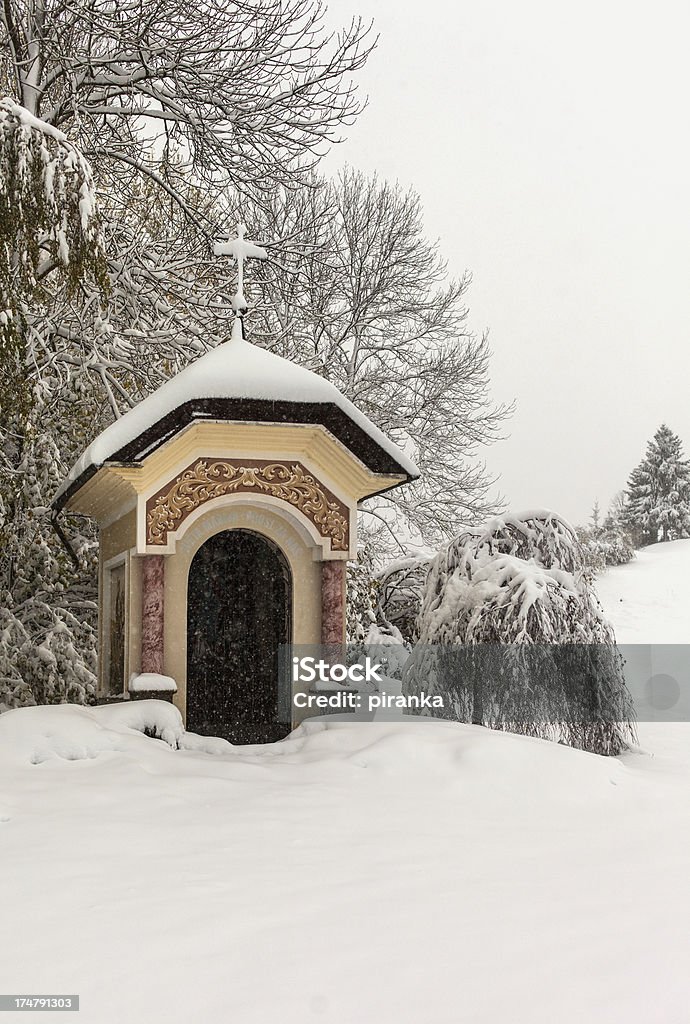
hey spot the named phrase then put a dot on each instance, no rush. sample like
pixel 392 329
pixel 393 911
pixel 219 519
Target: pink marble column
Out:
pixel 333 602
pixel 152 613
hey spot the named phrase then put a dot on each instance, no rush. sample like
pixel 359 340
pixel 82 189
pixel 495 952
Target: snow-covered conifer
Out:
pixel 658 493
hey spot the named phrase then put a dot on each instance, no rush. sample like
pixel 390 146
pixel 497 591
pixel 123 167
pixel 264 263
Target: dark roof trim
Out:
pixel 255 410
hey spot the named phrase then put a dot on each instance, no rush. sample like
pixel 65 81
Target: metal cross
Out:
pixel 240 249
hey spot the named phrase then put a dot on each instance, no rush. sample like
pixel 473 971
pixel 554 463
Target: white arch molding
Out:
pixel 277 526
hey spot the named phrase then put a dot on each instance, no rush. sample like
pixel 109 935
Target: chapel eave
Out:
pixel 383 468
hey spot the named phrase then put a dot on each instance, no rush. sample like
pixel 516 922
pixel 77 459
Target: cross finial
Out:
pixel 240 249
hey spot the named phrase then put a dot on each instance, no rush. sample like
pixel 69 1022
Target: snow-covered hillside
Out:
pixel 648 600
pixel 378 873
pixel 384 874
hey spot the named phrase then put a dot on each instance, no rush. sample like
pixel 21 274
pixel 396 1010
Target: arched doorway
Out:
pixel 239 599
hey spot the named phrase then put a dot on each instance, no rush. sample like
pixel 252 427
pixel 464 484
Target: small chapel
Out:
pixel 227 510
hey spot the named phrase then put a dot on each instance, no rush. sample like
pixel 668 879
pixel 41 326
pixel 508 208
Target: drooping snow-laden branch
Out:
pixel 47 195
pixel 244 90
pixel 48 227
pixel 512 634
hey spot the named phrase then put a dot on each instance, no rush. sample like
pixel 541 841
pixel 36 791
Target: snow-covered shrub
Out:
pixel 512 635
pixel 607 543
pixel 48 604
pixel 592 553
pixel 362 598
pixel 384 605
pixel 401 585
pixel 606 546
pixel 617 546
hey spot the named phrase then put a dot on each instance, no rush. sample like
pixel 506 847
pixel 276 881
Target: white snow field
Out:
pixel 411 873
pixel 377 874
pixel 647 600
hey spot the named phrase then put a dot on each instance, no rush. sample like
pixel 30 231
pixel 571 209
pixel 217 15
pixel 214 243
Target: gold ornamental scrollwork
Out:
pixel 208 479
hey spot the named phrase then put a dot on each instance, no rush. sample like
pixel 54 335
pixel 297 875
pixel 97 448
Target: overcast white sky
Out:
pixel 549 143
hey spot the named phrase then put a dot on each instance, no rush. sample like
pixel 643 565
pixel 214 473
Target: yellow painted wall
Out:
pixel 118 539
pixel 119 536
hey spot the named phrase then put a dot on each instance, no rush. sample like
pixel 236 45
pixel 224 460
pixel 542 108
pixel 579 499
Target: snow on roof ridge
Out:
pixel 234 369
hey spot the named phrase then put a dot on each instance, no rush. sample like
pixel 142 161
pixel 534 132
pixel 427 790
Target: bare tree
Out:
pixel 245 88
pixel 174 103
pixel 365 300
pixel 148 114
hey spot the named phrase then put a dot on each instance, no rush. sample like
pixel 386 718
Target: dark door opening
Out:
pixel 239 599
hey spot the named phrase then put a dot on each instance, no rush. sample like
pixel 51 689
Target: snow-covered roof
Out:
pixel 235 369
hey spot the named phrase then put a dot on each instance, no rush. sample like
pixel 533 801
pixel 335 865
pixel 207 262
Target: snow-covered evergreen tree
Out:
pixel 511 635
pixel 50 244
pixel 658 492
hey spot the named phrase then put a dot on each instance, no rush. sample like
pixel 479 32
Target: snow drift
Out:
pixel 73 733
pixel 425 871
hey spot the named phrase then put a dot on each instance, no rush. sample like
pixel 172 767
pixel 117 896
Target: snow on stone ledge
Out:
pixel 154 716
pixel 74 733
pixel 149 681
pixel 205 744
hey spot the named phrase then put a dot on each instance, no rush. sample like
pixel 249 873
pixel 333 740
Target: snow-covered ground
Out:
pixel 374 873
pixel 648 600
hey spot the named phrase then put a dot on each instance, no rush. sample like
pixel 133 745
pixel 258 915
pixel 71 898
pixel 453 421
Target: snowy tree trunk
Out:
pixel 477 700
